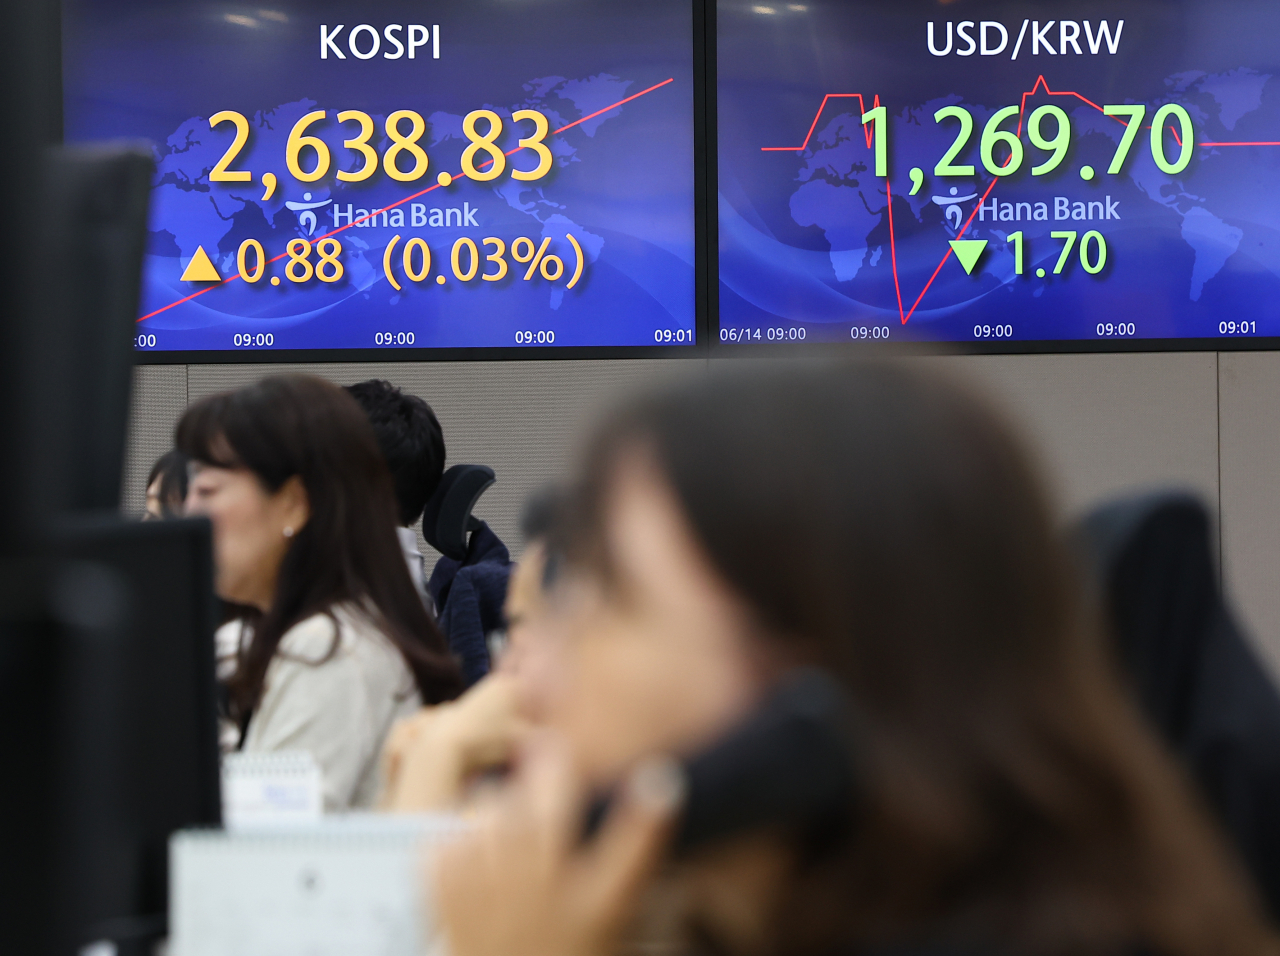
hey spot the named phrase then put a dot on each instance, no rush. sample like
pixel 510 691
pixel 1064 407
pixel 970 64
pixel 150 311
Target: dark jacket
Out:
pixel 469 596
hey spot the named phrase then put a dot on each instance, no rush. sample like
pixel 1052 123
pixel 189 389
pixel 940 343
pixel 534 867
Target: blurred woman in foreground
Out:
pixel 885 527
pixel 339 644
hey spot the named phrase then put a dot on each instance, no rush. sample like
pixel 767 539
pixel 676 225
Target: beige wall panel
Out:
pixel 1251 491
pixel 1104 424
pixel 523 419
pixel 1107 424
pixel 159 396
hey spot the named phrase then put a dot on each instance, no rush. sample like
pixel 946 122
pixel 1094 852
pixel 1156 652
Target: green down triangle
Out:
pixel 968 251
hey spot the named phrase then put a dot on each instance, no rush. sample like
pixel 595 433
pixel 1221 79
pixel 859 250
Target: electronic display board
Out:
pixel 391 176
pixel 1076 174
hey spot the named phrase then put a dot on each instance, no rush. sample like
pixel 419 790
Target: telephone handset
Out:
pixel 789 763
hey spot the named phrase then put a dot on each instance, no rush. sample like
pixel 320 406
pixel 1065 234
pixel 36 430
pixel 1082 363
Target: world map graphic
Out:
pixel 198 214
pixel 837 195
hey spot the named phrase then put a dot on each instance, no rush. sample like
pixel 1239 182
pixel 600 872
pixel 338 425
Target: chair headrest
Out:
pixel 1144 526
pixel 446 520
pixel 1159 586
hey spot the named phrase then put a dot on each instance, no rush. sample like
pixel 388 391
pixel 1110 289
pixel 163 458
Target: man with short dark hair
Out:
pixel 413 444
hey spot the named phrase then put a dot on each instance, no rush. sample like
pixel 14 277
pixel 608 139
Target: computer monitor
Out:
pixel 992 176
pixel 526 176
pixel 135 736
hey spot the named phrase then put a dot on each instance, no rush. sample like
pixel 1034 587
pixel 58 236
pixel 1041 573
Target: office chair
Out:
pixel 1197 679
pixel 447 520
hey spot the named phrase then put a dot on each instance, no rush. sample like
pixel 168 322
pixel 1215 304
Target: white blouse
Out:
pixel 338 703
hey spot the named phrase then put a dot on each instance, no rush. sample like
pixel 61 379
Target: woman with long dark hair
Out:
pixel 337 645
pixel 886 528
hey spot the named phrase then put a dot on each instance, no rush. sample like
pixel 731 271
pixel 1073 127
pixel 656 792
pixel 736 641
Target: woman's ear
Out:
pixel 293 506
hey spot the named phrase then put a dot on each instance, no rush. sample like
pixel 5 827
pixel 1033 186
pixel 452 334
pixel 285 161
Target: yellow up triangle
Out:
pixel 201 268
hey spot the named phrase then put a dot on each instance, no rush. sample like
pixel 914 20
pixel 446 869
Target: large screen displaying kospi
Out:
pixel 392 175
pixel 999 172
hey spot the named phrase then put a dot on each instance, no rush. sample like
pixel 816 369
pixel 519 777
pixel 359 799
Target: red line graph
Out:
pixel 817 116
pixel 1174 131
pixel 907 315
pixel 283 255
pixel 1040 83
pixel 893 246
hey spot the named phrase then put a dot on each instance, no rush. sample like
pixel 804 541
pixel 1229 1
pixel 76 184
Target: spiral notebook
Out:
pixel 270 790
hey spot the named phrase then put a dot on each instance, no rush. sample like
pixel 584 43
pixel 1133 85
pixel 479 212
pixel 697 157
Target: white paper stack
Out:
pixel 345 886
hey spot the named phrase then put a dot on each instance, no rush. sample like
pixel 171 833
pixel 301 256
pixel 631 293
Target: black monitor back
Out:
pixel 29 83
pixel 94 217
pixel 136 723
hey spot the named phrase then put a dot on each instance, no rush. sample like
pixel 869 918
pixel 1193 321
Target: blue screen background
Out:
pixel 805 244
pixel 621 184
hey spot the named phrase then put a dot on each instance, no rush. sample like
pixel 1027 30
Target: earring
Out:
pixel 288 531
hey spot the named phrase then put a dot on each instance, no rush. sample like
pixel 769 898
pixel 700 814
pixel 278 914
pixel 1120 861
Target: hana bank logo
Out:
pixel 306 211
pixel 951 207
pixel 992 38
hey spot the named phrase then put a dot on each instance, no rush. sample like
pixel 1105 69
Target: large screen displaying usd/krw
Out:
pixel 395 175
pixel 997 171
